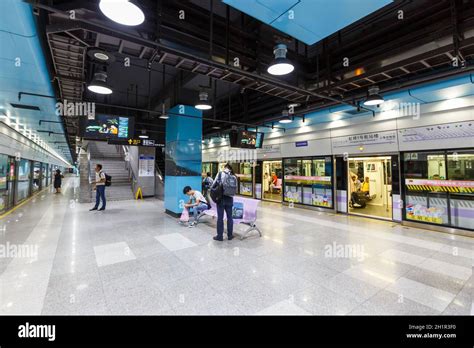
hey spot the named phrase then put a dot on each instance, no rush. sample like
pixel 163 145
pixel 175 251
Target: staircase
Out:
pixel 114 165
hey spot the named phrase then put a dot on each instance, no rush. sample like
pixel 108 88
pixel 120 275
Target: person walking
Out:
pixel 99 187
pixel 58 178
pixel 228 187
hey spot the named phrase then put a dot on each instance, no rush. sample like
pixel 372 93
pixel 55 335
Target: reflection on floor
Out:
pixel 272 196
pixel 134 259
pixel 374 210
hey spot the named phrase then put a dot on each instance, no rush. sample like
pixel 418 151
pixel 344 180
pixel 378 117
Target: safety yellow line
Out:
pixel 22 203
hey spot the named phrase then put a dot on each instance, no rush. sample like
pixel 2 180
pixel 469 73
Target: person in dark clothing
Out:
pixel 207 184
pixel 225 204
pixel 58 181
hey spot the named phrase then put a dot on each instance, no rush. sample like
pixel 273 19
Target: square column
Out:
pixel 183 155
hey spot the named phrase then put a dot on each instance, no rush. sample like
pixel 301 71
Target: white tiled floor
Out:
pixel 135 259
pixel 109 254
pixel 175 241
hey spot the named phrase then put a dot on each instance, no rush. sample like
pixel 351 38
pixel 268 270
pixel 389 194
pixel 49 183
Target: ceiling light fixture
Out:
pixel 203 103
pixel 101 55
pixel 164 115
pixel 280 65
pixel 286 118
pixel 143 135
pixel 122 11
pixel 99 84
pixel 374 97
pixel 216 127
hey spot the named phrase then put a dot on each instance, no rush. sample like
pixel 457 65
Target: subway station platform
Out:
pixel 134 259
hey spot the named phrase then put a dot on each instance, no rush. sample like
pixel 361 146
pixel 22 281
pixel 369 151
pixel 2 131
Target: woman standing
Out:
pixel 57 181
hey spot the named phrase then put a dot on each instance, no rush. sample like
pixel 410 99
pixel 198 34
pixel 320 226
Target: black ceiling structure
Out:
pixel 171 59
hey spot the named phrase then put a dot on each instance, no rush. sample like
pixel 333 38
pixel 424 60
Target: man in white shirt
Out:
pixel 196 201
pixel 99 187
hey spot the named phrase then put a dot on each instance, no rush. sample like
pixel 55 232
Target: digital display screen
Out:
pixel 250 140
pixel 109 127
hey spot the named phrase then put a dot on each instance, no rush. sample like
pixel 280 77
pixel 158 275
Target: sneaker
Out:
pixel 218 239
pixel 355 205
pixel 192 224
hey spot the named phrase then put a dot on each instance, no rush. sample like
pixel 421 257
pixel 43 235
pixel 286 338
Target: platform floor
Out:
pixel 134 259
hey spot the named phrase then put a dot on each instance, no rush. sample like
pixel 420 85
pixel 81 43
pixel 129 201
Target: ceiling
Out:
pixel 308 21
pixel 172 60
pixel 23 69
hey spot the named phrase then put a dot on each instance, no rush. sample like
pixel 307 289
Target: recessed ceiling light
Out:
pixel 101 55
pixel 280 65
pixel 122 11
pixel 216 127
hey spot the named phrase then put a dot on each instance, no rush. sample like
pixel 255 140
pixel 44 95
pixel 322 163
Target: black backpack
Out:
pixel 230 185
pixel 108 180
pixel 217 190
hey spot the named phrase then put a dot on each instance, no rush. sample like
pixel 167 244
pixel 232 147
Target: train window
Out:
pixel 461 165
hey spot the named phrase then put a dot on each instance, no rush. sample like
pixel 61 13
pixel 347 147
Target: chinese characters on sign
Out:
pixel 389 137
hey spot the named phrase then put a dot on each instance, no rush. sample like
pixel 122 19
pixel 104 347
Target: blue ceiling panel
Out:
pixel 20 43
pixel 308 20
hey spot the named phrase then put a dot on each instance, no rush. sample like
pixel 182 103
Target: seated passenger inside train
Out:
pixel 358 198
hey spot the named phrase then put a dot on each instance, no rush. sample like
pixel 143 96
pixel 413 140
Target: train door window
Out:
pixel 36 176
pixel 44 175
pixel 23 180
pixel 461 189
pixel 272 180
pixel 306 182
pixel 245 177
pixel 292 178
pixel 426 200
pixel 258 179
pixel 321 182
pixel 4 192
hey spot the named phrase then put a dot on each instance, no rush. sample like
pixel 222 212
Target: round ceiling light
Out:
pixel 280 65
pixel 101 55
pixel 122 11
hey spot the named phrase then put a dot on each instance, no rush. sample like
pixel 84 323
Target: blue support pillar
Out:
pixel 183 155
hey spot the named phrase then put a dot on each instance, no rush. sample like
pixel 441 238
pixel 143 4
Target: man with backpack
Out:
pixel 100 183
pixel 222 192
